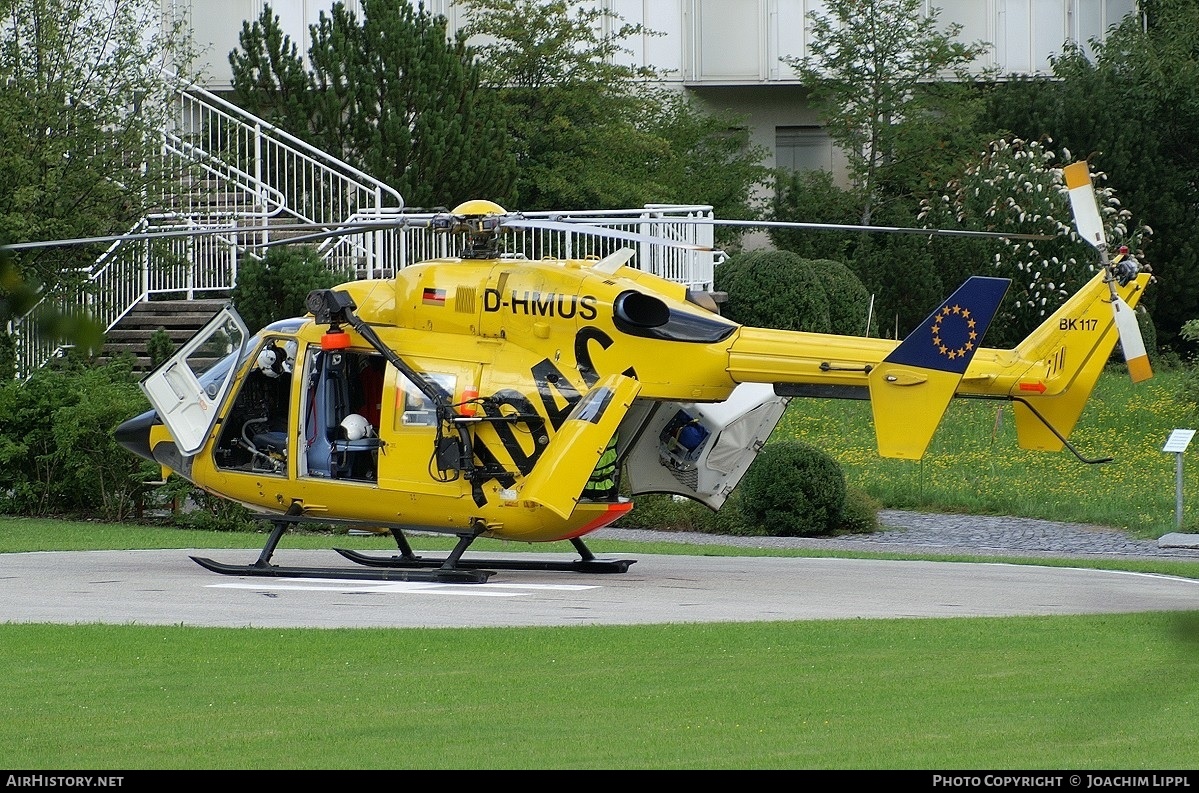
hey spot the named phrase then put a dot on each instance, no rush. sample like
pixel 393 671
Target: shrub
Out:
pixel 57 451
pixel 848 299
pixel 664 512
pixel 793 490
pixel 860 513
pixel 159 347
pixel 773 289
pixel 202 511
pixel 276 286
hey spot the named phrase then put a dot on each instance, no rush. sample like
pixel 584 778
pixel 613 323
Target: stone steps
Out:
pixel 179 318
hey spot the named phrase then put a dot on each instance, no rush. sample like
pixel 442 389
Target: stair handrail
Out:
pixel 236 112
pixel 349 189
pixel 272 201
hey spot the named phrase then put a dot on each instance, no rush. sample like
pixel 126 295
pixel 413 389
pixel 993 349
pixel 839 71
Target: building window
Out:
pixel 803 149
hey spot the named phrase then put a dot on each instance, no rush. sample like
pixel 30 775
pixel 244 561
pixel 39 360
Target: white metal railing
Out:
pixel 191 266
pixel 229 166
pixel 234 169
pixel 379 253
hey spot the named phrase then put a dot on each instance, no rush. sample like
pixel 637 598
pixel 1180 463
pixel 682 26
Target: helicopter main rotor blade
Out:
pixel 599 229
pixel 111 238
pixel 198 232
pixel 346 230
pixel 821 227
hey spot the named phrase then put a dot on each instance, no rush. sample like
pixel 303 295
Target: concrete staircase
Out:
pixel 179 318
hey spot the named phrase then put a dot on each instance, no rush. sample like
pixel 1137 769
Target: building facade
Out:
pixel 727 53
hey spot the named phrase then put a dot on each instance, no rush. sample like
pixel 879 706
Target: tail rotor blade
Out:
pixel 1082 200
pixel 1131 341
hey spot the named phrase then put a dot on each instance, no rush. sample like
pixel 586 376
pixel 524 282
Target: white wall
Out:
pixel 716 42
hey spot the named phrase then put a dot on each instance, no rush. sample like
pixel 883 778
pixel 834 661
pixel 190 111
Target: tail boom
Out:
pixel 1049 376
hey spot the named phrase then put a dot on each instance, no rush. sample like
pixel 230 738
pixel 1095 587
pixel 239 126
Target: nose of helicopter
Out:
pixel 134 434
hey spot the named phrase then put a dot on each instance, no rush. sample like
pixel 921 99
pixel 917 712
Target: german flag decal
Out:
pixel 434 297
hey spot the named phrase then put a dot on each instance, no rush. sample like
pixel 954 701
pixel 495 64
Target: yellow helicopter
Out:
pixel 510 398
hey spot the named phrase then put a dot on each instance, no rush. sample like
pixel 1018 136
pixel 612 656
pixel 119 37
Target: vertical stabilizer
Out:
pixel 911 388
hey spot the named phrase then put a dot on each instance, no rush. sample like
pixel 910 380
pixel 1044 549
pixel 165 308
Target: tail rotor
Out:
pixel 1120 270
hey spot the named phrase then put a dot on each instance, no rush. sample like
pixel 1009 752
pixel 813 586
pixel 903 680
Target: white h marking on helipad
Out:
pixel 400 587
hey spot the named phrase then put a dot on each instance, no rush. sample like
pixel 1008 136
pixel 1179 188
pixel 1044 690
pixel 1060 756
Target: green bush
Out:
pixel 794 490
pixel 848 299
pixel 200 510
pixel 773 289
pixel 159 347
pixel 57 450
pixel 662 512
pixel 276 286
pixel 860 513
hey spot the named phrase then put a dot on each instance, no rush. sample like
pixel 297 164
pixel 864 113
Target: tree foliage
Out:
pixel 877 72
pixel 896 270
pixel 81 120
pixel 1132 110
pixel 1017 186
pixel 276 286
pixel 81 116
pixel 589 131
pixel 392 94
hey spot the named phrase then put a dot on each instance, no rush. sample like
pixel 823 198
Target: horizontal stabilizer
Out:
pixel 911 388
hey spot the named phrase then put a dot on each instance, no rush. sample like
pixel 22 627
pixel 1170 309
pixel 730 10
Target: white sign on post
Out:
pixel 1178 441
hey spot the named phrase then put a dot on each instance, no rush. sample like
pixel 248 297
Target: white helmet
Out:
pixel 355 427
pixel 270 361
pixel 290 349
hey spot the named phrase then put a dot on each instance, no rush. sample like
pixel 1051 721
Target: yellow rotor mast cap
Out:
pixel 479 207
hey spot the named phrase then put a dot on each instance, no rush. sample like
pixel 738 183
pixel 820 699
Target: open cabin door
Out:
pixel 573 453
pixel 188 389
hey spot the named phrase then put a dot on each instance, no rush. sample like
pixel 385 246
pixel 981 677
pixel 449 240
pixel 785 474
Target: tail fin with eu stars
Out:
pixel 911 388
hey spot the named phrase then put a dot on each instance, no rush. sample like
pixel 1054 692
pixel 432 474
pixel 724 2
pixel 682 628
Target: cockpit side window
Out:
pixel 254 433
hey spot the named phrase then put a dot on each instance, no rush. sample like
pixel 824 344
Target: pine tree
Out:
pixel 391 94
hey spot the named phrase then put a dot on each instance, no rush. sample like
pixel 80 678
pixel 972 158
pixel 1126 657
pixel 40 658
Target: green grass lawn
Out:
pixel 1078 692
pixel 1097 692
pixel 975 466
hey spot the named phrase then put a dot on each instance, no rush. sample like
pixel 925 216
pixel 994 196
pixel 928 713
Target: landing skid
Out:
pixel 407 566
pixel 577 566
pixel 408 559
pixel 460 576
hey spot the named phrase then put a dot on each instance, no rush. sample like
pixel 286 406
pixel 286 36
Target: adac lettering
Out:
pixel 558 397
pixel 530 426
pixel 538 304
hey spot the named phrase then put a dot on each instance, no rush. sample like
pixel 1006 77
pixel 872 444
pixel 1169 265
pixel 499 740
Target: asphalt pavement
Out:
pixel 949 534
pixel 165 587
